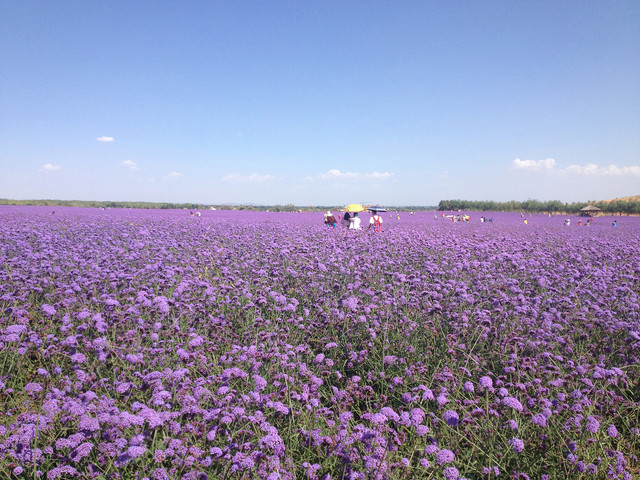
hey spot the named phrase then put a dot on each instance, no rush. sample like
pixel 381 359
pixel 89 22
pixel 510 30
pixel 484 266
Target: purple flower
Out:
pixel 427 394
pixel 612 431
pixel 81 451
pixel 389 359
pixel 513 403
pixel 162 303
pixel 64 470
pixel 136 451
pixel 279 407
pixel 517 444
pixel 417 416
pixel 445 456
pixel 134 358
pixel 592 424
pixel 468 387
pixel 33 388
pixel 451 418
pixel 273 442
pixel 540 420
pixel 389 413
pixel 78 358
pixel 407 398
pixel 71 442
pixel 377 418
pixel 16 329
pixel 260 382
pixel 351 303
pixel 430 449
pixel 89 423
pixel 486 382
pixel 344 417
pixel 48 309
pixel 451 473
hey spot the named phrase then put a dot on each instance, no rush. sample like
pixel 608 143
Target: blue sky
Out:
pixel 319 103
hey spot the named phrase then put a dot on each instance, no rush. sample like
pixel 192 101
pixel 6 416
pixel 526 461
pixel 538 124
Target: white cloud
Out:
pixel 130 164
pixel 172 175
pixel 535 165
pixel 611 170
pixel 588 170
pixel 335 174
pixel 252 178
pixel 105 139
pixel 50 167
pixel 379 175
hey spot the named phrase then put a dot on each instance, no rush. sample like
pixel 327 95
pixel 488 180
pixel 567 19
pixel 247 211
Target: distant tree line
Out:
pixel 104 204
pixel 189 206
pixel 162 206
pixel 627 207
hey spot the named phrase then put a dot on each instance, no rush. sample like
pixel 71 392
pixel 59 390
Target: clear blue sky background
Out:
pixel 327 102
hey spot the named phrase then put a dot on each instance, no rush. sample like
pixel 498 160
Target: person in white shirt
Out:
pixel 375 222
pixel 355 222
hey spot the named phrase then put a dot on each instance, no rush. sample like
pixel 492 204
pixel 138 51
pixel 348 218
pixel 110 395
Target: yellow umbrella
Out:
pixel 354 207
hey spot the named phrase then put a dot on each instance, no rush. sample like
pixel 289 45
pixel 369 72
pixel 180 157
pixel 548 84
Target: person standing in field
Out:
pixel 346 219
pixel 375 222
pixel 355 222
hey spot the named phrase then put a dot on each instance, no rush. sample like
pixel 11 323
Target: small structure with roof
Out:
pixel 589 211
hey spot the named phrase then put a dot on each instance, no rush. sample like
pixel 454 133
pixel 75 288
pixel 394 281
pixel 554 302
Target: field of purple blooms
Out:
pixel 152 344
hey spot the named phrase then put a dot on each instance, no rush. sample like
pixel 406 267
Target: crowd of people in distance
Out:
pixel 587 223
pixel 353 222
pixel 462 217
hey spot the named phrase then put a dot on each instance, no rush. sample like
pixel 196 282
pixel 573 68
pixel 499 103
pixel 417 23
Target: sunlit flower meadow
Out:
pixel 158 345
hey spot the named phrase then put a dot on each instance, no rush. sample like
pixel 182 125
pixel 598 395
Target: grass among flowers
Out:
pixel 152 344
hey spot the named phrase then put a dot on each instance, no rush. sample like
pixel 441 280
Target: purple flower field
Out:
pixel 156 345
